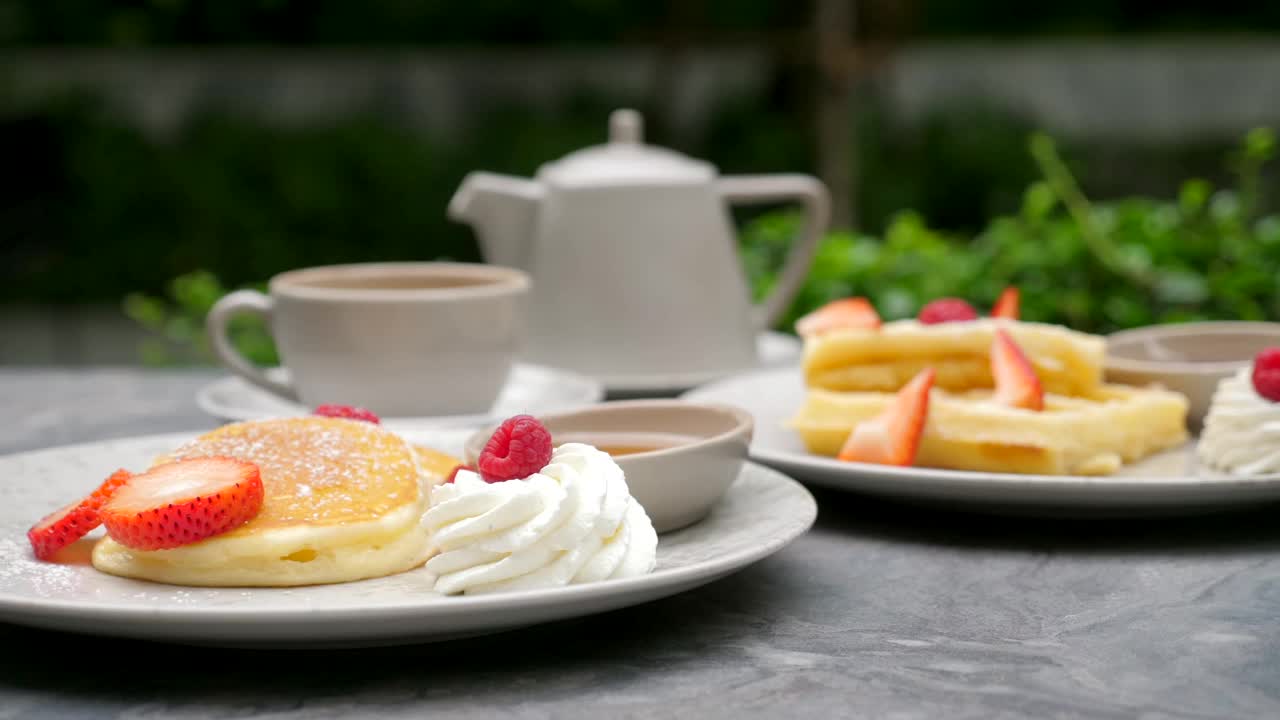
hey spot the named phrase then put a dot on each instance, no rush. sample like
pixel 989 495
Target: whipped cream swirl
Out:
pixel 574 521
pixel 1242 430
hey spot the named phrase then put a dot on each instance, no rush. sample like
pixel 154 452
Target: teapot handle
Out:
pixel 815 201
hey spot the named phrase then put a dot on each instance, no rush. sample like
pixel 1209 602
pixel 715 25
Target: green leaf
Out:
pixel 1038 201
pixel 1193 195
pixel 1260 144
pixel 1181 287
pixel 147 311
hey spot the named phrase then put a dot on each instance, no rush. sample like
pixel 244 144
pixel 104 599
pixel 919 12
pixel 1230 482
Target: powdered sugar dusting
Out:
pixel 317 470
pixel 49 579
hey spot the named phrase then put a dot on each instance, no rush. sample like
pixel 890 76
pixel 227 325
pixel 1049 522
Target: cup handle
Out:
pixel 815 201
pixel 242 302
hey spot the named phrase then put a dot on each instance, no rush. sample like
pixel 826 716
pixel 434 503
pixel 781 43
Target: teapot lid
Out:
pixel 625 160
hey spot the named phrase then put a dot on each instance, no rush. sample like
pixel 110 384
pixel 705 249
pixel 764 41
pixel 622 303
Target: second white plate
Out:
pixel 532 389
pixel 1166 483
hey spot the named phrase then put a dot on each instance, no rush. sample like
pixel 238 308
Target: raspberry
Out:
pixel 1266 374
pixel 520 447
pixel 947 310
pixel 348 412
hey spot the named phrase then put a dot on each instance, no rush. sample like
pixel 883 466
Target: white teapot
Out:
pixel 634 257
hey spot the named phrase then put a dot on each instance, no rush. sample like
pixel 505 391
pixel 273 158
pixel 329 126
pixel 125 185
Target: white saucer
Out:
pixel 773 349
pixel 761 513
pixel 1167 483
pixel 532 389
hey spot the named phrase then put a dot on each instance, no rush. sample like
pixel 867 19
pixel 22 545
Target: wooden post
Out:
pixel 833 27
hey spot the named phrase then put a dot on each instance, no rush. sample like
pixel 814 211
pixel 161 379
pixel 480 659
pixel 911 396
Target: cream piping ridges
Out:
pixel 1242 430
pixel 531 516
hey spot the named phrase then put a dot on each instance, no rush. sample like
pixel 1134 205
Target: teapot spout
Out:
pixel 502 210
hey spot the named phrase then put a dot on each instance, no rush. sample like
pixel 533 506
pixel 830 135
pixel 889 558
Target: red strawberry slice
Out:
pixel 1007 305
pixel 893 437
pixel 453 475
pixel 1016 382
pixel 183 502
pixel 72 522
pixel 109 486
pixel 854 313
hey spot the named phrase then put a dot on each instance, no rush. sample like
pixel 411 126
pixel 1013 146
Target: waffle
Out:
pixel 343 501
pixel 1067 362
pixel 966 431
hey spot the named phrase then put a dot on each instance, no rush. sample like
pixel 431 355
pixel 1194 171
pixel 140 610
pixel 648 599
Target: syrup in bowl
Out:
pixel 618 444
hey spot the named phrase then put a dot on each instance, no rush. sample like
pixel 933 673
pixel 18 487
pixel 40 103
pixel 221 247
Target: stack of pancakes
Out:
pixel 343 501
pixel 1088 427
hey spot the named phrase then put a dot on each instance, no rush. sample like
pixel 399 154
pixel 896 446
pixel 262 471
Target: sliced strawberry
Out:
pixel 183 502
pixel 109 487
pixel 1007 305
pixel 893 437
pixel 850 313
pixel 453 475
pixel 72 522
pixel 61 528
pixel 1016 382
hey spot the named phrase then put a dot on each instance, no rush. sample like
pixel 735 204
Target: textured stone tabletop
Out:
pixel 882 611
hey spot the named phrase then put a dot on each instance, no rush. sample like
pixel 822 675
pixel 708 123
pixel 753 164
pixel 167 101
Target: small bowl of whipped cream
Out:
pixel 678 457
pixel 1190 358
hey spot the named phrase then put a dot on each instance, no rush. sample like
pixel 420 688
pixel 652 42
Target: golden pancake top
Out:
pixel 316 470
pixel 435 465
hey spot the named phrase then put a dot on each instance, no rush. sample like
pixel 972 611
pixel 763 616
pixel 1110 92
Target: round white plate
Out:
pixel 773 349
pixel 761 513
pixel 532 389
pixel 1169 482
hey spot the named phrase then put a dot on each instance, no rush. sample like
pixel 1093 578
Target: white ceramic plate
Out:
pixel 761 513
pixel 1167 483
pixel 773 349
pixel 532 389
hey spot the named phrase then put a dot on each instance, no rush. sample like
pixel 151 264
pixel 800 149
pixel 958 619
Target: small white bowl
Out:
pixel 1190 358
pixel 699 451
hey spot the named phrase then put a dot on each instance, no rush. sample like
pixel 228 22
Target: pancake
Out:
pixel 1067 362
pixel 965 431
pixel 435 465
pixel 343 501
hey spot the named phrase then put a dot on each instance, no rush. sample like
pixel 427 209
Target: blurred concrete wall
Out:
pixel 1162 91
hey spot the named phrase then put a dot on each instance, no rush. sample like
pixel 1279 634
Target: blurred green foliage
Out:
pixel 102 208
pixel 178 323
pixel 107 209
pixel 1209 253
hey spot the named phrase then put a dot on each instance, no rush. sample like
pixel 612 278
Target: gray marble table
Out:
pixel 882 611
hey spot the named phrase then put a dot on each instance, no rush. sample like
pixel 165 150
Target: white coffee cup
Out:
pixel 400 339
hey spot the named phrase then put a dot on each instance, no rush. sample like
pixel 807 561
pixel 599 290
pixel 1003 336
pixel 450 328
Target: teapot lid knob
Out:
pixel 625 161
pixel 626 126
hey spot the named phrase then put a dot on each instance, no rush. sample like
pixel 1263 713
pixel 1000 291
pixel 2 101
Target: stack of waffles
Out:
pixel 999 394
